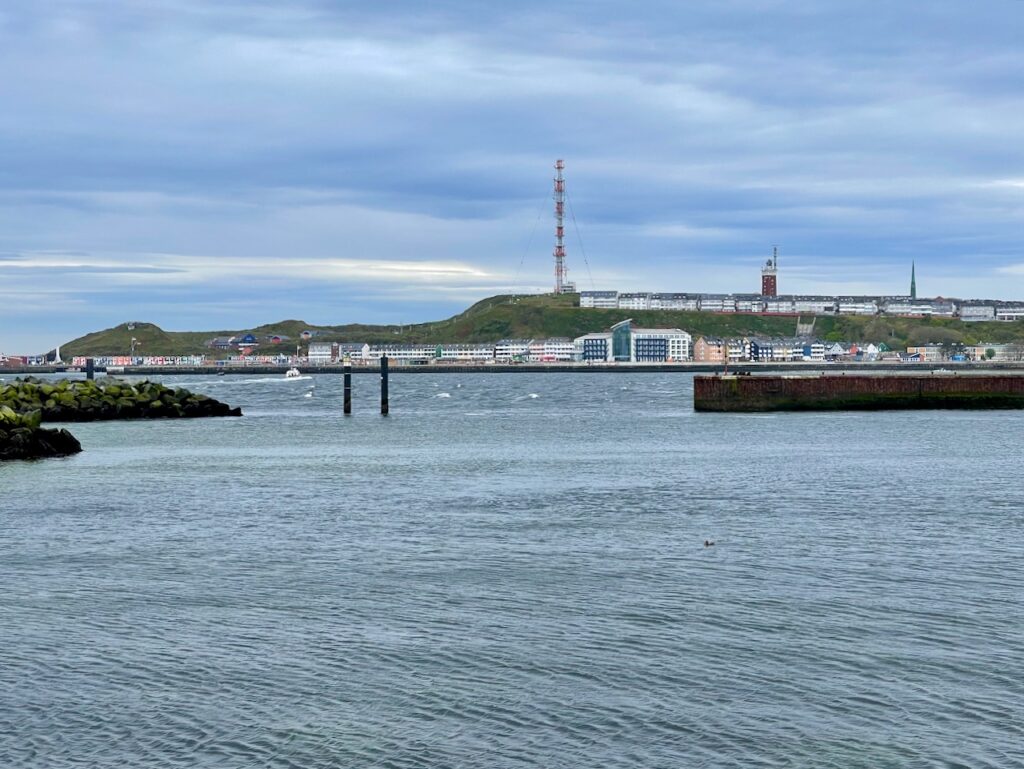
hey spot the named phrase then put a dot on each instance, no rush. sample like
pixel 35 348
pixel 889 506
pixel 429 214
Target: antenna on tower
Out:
pixel 559 252
pixel 562 284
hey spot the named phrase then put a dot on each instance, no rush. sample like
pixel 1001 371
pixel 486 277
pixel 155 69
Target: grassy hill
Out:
pixel 547 315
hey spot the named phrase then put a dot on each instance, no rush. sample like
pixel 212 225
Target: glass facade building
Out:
pixel 622 343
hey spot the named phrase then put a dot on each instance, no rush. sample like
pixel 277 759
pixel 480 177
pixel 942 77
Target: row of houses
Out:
pixel 936 353
pixel 121 361
pixel 806 305
pixel 504 351
pixel 715 350
pixel 251 340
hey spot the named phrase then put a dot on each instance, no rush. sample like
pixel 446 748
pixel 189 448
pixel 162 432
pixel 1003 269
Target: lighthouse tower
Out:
pixel 770 275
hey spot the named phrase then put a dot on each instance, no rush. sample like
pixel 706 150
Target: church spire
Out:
pixel 913 281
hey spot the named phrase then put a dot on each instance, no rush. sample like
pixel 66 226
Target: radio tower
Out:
pixel 562 286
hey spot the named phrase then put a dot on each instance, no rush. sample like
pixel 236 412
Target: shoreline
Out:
pixel 533 368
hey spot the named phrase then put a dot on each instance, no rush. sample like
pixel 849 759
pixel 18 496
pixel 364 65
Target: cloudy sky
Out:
pixel 216 165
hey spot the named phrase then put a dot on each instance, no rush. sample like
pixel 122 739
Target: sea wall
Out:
pixel 841 392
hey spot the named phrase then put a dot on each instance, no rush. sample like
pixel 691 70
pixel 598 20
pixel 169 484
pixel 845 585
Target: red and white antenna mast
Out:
pixel 560 282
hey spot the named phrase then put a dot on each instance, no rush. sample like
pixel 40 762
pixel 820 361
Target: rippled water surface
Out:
pixel 509 571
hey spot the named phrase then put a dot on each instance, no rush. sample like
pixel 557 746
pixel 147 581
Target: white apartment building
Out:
pixel 600 300
pixel 635 301
pixel 659 345
pixel 904 305
pixel 977 312
pixel 857 305
pixel 782 305
pixel 818 305
pixel 738 350
pixel 511 349
pixel 402 352
pixel 320 353
pixel 550 350
pixel 675 302
pixel 467 353
pixel 717 303
pixel 1010 312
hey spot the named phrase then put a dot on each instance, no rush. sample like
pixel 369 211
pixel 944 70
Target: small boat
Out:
pixel 292 373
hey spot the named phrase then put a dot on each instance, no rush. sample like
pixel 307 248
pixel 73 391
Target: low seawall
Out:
pixel 852 391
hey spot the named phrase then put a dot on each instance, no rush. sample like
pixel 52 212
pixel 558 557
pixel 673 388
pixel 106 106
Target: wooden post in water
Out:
pixel 348 387
pixel 90 368
pixel 384 385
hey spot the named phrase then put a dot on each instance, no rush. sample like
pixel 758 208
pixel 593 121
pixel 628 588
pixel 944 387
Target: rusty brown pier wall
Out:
pixel 840 392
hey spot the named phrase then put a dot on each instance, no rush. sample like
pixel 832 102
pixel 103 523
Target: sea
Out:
pixel 510 570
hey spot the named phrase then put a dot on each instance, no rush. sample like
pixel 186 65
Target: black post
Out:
pixel 384 385
pixel 90 368
pixel 348 388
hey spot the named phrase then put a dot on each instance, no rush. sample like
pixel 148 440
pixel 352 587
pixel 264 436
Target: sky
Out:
pixel 208 165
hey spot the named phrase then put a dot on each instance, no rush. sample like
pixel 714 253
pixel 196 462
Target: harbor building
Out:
pixel 551 350
pixel 464 353
pixel 507 350
pixel 624 343
pixel 593 348
pixel 320 353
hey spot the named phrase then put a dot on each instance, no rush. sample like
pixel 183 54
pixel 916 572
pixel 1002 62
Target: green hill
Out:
pixel 533 316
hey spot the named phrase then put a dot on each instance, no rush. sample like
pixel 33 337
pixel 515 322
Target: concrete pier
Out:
pixel 834 392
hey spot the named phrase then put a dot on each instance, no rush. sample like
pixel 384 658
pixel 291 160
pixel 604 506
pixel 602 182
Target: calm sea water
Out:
pixel 509 572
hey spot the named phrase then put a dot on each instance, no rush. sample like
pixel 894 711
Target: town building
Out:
pixel 928 353
pixel 599 300
pixel 508 350
pixel 905 305
pixel 634 301
pixel 689 302
pixel 551 350
pixel 1010 312
pixel 977 312
pixel 464 353
pixel 856 305
pixel 709 350
pixel 648 345
pixel 321 353
pixel 354 351
pixel 717 303
pixel 403 353
pixel 593 348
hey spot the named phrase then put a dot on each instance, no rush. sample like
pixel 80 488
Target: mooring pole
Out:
pixel 90 368
pixel 348 387
pixel 384 385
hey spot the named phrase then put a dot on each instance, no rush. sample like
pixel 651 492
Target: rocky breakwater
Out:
pixel 22 437
pixel 28 402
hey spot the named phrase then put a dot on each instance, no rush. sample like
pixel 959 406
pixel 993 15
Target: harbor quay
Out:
pixel 938 389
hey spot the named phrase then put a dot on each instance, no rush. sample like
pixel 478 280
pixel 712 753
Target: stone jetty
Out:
pixel 89 401
pixel 26 403
pixel 22 437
